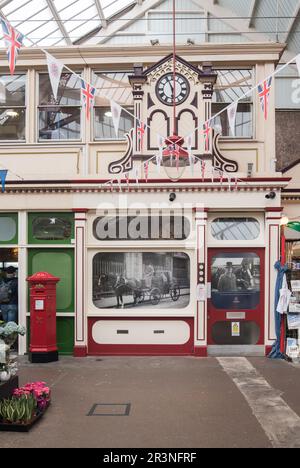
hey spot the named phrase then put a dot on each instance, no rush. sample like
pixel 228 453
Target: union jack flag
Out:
pixel 88 96
pixel 264 94
pixel 206 131
pixel 173 151
pixel 140 131
pixel 13 42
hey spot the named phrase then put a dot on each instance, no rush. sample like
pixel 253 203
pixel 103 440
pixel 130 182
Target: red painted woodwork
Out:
pixel 43 313
pixel 256 314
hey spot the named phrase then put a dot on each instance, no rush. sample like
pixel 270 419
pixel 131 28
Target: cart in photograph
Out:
pixel 162 286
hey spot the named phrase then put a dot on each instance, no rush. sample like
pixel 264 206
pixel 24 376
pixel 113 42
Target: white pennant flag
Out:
pixel 231 113
pixel 189 143
pixel 116 110
pixel 136 174
pixel 298 63
pixel 159 155
pixel 55 68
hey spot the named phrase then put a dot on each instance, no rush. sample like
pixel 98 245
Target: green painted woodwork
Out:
pixel 9 226
pixel 58 262
pixel 59 228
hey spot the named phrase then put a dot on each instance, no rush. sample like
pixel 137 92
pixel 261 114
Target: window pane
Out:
pixel 235 228
pixel 141 280
pixel 104 128
pixel 68 90
pixel 232 85
pixel 59 123
pixel 235 281
pixel 12 124
pixel 8 228
pixel 12 90
pixel 243 123
pixel 53 228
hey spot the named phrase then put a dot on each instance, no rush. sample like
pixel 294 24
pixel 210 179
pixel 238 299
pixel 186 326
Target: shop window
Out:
pixel 116 86
pixel 231 85
pixel 56 228
pixel 235 228
pixel 141 280
pixel 235 281
pixel 12 107
pixel 58 262
pixel 8 228
pixel 141 228
pixel 59 119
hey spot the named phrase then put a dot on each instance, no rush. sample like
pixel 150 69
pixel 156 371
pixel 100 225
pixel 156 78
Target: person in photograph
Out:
pixel 244 277
pixel 227 281
pixel 119 288
pixel 149 272
pixel 9 305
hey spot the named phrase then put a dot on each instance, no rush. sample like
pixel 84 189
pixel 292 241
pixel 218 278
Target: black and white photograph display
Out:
pixel 141 280
pixel 235 280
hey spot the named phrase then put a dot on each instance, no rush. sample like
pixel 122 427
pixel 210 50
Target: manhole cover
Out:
pixel 110 409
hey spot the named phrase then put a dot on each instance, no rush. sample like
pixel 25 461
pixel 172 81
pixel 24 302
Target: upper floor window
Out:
pixel 59 119
pixel 112 85
pixel 12 107
pixel 235 228
pixel 232 85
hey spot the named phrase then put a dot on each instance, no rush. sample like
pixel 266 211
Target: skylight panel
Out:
pixel 111 7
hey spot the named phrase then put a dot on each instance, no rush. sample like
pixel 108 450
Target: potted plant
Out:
pixel 25 407
pixel 8 335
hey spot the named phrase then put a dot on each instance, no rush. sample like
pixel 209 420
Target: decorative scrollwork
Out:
pixel 125 163
pixel 219 161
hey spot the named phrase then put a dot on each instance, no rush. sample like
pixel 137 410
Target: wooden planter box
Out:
pixel 10 427
pixel 7 388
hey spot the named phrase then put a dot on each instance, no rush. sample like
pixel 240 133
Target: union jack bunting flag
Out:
pixel 88 96
pixel 206 131
pixel 140 131
pixel 264 94
pixel 13 42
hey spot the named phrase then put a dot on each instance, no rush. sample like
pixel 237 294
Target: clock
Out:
pixel 165 86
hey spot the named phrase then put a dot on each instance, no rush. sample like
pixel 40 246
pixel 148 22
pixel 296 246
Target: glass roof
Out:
pixel 59 22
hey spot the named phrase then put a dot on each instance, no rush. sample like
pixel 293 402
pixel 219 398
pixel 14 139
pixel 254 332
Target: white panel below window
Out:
pixel 141 332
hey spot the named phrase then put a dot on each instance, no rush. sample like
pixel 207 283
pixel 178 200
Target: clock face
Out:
pixel 165 86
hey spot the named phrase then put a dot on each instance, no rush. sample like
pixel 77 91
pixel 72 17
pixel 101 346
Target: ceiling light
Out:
pixel 108 114
pixel 284 220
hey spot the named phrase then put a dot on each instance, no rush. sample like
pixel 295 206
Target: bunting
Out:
pixel 203 165
pixel 140 131
pixel 264 94
pixel 3 175
pixel 146 170
pixel 116 110
pixel 231 114
pixel 159 155
pixel 298 63
pixel 55 68
pixel 13 42
pixel 206 131
pixel 88 97
pixel 189 142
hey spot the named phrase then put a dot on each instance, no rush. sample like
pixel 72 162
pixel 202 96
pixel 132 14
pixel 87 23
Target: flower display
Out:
pixel 40 391
pixel 10 331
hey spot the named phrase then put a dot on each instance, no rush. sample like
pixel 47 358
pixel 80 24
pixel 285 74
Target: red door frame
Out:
pixel 258 314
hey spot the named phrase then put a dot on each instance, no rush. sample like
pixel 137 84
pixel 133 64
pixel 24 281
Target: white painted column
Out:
pixel 80 345
pixel 201 306
pixel 273 216
pixel 22 275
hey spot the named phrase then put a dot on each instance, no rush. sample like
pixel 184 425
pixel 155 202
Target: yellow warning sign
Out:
pixel 235 329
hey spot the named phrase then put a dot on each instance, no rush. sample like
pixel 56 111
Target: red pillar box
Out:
pixel 43 346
